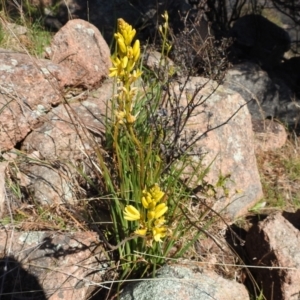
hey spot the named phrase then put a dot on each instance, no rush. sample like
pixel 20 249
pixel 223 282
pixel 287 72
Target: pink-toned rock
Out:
pixel 50 265
pixel 69 130
pixel 68 135
pixel 14 125
pixel 63 137
pixel 80 47
pixel 152 59
pixel 28 89
pixel 269 135
pixel 49 183
pixel 275 242
pixel 220 125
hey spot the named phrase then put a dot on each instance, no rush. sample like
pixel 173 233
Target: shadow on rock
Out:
pixel 16 283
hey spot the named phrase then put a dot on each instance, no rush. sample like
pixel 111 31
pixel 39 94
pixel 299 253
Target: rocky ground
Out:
pixel 51 108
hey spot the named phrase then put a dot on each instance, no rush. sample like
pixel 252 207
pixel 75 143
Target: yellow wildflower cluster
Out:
pixel 124 61
pixel 152 223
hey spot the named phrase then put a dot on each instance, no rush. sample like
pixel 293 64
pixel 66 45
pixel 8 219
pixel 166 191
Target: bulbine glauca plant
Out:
pixel 147 201
pixel 139 211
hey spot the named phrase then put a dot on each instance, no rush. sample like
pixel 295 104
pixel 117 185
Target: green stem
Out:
pixel 140 151
pixel 116 147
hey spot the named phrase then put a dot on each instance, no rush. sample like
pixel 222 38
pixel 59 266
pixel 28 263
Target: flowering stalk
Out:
pixel 124 69
pixel 124 61
pixel 163 30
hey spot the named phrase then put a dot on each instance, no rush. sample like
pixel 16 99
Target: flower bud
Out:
pixel 136 50
pixel 124 62
pixel 131 213
pixel 160 210
pixel 129 36
pixel 121 43
pixel 150 214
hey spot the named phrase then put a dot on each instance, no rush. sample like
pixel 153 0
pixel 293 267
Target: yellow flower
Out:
pixel 158 233
pixel 156 193
pixel 120 115
pixel 124 62
pixel 129 36
pixel 117 70
pixel 157 212
pixel 113 72
pixel 150 214
pixel 130 118
pixel 151 198
pixel 129 94
pixel 121 43
pixel 151 225
pixel 136 50
pixel 130 65
pixel 141 231
pixel 135 75
pixel 160 210
pixel 147 200
pixel 131 213
pixel 126 31
pixel 159 222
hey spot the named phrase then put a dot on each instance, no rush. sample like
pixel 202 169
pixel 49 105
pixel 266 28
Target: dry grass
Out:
pixel 280 176
pixel 23 35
